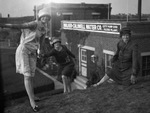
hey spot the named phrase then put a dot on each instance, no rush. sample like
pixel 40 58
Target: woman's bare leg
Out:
pixel 32 86
pixel 104 79
pixel 29 89
pixel 64 79
pixel 32 82
pixel 68 84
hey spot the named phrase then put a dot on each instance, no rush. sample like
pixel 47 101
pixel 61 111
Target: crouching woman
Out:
pixel 125 62
pixel 65 60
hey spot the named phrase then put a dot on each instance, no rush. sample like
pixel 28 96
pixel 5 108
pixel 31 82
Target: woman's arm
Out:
pixel 115 57
pixel 69 52
pixel 135 59
pixel 30 25
pixel 51 53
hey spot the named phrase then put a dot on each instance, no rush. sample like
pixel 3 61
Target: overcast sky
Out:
pixel 19 8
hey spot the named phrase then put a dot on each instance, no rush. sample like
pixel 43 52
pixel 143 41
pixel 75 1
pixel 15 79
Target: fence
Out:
pixel 7 44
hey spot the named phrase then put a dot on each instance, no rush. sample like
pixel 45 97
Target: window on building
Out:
pixel 108 56
pixel 84 55
pixel 146 65
pixel 95 15
pixel 67 15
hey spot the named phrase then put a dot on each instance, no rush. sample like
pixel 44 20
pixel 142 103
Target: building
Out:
pixel 11 37
pixel 88 39
pixel 66 11
pixel 0 15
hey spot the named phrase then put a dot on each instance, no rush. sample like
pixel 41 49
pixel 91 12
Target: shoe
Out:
pixel 37 99
pixel 35 109
pixel 95 85
pixel 110 81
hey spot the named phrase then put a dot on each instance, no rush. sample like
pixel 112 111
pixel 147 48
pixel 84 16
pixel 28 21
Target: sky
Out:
pixel 19 8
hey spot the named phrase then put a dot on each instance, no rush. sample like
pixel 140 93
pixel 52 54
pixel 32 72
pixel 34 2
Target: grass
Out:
pixel 108 98
pixel 13 83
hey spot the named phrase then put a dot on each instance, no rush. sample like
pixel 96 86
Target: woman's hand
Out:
pixel 95 85
pixel 74 60
pixel 41 55
pixel 133 79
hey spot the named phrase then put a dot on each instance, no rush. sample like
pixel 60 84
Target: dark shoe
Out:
pixel 37 99
pixel 35 109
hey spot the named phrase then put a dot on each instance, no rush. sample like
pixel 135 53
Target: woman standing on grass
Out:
pixel 125 61
pixel 66 64
pixel 26 53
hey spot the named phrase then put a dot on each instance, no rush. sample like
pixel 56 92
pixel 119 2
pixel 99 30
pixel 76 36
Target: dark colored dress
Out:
pixel 63 58
pixel 125 63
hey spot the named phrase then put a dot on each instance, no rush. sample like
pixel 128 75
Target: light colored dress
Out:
pixel 27 49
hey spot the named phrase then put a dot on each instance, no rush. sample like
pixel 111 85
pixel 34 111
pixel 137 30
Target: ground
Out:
pixel 107 98
pixel 13 84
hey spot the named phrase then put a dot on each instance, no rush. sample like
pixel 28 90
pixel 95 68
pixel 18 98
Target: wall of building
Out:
pixel 107 41
pixel 11 37
pixel 81 11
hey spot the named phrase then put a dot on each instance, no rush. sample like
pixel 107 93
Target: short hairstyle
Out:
pixel 55 40
pixel 124 31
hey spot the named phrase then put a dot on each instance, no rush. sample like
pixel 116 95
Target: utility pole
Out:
pixel 127 10
pixel 108 11
pixel 51 31
pixel 36 12
pixel 139 9
pixel 109 8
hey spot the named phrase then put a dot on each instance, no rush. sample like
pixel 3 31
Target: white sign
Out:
pixel 84 71
pixel 113 28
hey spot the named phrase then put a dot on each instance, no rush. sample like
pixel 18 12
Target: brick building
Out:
pixel 67 11
pixel 88 38
pixel 11 37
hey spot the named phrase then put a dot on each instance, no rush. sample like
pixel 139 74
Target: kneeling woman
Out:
pixel 65 62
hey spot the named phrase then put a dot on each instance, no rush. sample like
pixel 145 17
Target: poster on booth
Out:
pixel 113 28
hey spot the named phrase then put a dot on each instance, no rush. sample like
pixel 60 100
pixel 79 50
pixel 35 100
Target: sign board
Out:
pixel 113 28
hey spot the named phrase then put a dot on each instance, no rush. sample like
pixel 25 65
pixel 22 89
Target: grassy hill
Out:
pixel 107 98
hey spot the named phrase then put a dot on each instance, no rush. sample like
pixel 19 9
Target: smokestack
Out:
pixel 139 9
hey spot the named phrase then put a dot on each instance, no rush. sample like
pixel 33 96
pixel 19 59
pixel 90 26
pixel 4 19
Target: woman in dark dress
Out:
pixel 65 62
pixel 125 61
